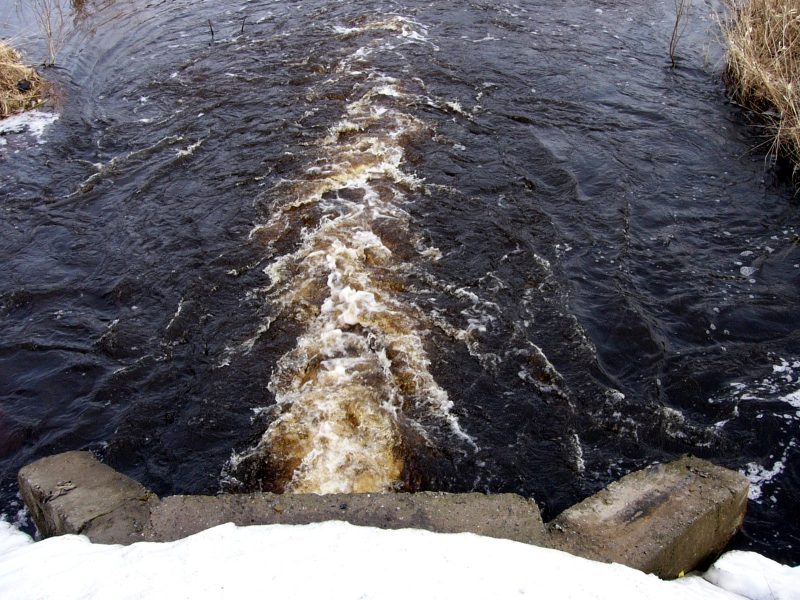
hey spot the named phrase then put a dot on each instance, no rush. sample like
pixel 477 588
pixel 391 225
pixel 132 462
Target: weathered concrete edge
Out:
pixel 75 493
pixel 664 519
pixel 505 516
pixel 693 508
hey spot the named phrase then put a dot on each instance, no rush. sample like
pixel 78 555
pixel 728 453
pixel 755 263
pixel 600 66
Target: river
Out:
pixel 319 246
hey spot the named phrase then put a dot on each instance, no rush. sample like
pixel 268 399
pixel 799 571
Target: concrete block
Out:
pixel 506 516
pixel 75 493
pixel 664 519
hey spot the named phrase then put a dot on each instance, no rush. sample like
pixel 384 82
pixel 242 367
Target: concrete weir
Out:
pixel 665 519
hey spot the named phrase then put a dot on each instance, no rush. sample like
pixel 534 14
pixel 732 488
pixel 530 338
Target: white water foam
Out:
pixel 781 387
pixel 760 475
pixel 348 391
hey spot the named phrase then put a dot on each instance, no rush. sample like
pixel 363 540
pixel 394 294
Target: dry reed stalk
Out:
pixel 764 67
pixel 52 23
pixel 20 85
pixel 679 28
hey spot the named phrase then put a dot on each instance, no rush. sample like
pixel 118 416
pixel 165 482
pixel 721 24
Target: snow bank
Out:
pixel 334 560
pixel 755 576
pixel 11 539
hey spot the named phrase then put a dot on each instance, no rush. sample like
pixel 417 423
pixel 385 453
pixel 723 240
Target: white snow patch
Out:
pixel 754 576
pixel 338 560
pixel 34 122
pixel 11 539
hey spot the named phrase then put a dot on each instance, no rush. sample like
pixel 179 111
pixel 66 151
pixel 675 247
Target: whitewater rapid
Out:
pixel 359 370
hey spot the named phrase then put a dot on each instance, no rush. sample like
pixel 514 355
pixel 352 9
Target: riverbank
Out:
pixel 764 68
pixel 21 87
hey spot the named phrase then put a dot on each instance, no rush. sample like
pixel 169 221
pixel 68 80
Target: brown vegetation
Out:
pixel 52 23
pixel 20 85
pixel 764 67
pixel 679 28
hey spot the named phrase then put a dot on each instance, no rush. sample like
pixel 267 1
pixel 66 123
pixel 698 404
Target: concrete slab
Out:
pixel 506 516
pixel 75 493
pixel 664 519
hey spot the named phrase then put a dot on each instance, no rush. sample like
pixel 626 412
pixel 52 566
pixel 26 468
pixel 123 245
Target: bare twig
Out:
pixel 678 29
pixel 52 23
pixel 211 28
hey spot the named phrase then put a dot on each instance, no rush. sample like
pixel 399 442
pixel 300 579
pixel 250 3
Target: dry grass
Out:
pixel 14 97
pixel 764 67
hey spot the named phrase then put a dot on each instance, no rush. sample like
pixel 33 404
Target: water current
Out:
pixel 397 245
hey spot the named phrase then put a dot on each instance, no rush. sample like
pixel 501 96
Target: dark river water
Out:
pixel 495 246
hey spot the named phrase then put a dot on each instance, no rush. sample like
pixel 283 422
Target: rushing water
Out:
pixel 387 245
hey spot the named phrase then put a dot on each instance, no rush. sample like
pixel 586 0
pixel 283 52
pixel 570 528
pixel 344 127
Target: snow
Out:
pixel 338 560
pixel 34 122
pixel 11 538
pixel 754 576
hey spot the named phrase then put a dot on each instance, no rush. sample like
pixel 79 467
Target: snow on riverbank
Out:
pixel 339 560
pixel 34 122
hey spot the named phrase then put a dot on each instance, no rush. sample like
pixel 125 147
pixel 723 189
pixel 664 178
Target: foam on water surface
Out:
pixel 774 396
pixel 351 391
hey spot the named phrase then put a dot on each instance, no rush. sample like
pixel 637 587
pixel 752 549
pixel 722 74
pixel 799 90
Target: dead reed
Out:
pixel 20 85
pixel 763 69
